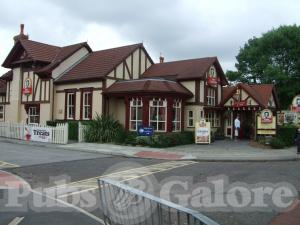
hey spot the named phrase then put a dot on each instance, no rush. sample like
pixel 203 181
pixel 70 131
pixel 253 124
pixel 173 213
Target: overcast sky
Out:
pixel 179 29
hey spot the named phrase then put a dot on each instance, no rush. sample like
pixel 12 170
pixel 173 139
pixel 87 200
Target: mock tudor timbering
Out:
pixel 47 82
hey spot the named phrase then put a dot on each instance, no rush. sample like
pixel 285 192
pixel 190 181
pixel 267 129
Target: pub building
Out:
pixel 47 82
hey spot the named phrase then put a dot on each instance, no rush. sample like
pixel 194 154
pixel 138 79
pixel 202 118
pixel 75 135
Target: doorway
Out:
pixel 247 119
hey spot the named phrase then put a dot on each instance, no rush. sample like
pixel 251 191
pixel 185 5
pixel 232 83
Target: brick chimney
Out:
pixel 21 35
pixel 161 59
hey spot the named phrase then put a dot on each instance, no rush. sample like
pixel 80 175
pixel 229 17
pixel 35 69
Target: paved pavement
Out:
pixel 81 169
pixel 225 150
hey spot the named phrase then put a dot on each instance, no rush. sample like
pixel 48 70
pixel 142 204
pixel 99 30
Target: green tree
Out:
pixel 272 58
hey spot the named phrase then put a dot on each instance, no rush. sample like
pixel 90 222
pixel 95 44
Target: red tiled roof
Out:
pixel 64 53
pixel 2 87
pixel 40 51
pixel 7 76
pixel 185 69
pixel 147 86
pixel 98 64
pixel 259 92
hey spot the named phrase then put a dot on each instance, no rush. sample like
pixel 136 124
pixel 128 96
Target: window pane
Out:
pixel 161 126
pixel 139 113
pixel 162 112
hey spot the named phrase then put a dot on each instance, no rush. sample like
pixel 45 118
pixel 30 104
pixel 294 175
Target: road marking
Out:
pixel 16 221
pixel 7 165
pixel 121 176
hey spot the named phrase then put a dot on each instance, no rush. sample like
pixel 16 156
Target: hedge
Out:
pixel 287 133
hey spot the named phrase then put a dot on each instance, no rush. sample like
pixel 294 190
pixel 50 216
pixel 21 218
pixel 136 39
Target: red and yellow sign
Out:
pixel 212 81
pixel 238 104
pixel 296 104
pixel 27 87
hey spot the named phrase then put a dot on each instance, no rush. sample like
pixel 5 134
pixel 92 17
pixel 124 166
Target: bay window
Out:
pixel 176 123
pixel 71 105
pixel 157 114
pixel 136 112
pixel 33 115
pixel 211 96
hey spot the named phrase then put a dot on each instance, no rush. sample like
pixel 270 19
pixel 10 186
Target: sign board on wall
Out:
pixel 266 128
pixel 40 134
pixel 296 104
pixel 212 81
pixel 266 116
pixel 202 132
pixel 287 117
pixel 27 87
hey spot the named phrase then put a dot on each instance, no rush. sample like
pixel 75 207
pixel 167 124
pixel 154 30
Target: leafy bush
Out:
pixel 277 143
pixel 103 129
pixel 286 133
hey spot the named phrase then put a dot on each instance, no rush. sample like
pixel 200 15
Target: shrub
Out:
pixel 51 123
pixel 277 143
pixel 103 129
pixel 131 138
pixel 287 133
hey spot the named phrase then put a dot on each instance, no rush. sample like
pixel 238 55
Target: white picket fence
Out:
pixel 81 129
pixel 17 131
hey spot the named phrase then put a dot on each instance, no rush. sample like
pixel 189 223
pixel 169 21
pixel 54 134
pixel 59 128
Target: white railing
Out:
pixel 81 129
pixel 43 133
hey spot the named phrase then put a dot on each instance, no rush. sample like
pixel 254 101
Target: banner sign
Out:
pixel 212 81
pixel 266 116
pixel 242 103
pixel 202 132
pixel 27 87
pixel 40 134
pixel 145 131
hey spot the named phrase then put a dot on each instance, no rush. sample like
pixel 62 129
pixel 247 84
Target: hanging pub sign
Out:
pixel 266 116
pixel 27 87
pixel 296 104
pixel 202 132
pixel 212 81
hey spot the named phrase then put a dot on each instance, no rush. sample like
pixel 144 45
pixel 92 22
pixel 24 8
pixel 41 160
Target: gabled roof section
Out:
pixel 185 69
pixel 41 52
pixel 7 76
pixel 147 86
pixel 98 64
pixel 261 93
pixel 63 54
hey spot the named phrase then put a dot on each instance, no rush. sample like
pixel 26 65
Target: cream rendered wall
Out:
pixel 136 64
pixel 70 61
pixel 109 82
pixel 219 93
pixel 197 115
pixel 59 99
pixel 13 110
pixel 190 85
pixel 117 109
pixel 202 91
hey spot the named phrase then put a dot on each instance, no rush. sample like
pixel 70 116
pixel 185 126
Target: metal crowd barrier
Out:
pixel 123 205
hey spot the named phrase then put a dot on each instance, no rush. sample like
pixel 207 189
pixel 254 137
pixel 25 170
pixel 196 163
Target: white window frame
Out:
pixel 211 96
pixel 33 114
pixel 136 103
pixel 86 105
pixel 214 119
pixel 158 103
pixel 70 107
pixel 1 112
pixel 176 124
pixel 190 119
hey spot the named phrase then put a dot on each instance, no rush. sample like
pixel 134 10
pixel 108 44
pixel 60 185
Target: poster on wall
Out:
pixel 40 134
pixel 202 132
pixel 266 123
pixel 266 116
